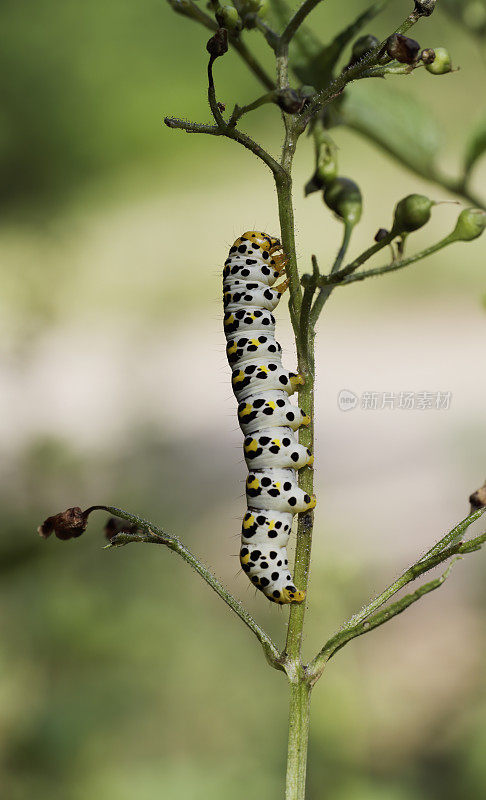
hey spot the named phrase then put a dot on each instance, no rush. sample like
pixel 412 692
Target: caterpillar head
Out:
pixel 255 240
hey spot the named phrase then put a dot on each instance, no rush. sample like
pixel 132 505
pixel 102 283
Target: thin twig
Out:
pixel 366 619
pixel 341 638
pixel 296 21
pixel 370 273
pixel 152 534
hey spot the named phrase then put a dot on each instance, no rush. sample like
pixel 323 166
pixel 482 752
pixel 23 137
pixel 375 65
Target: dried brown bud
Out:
pixel 290 101
pixel 114 526
pixel 402 48
pixel 478 499
pixel 424 7
pixel 218 44
pixel 68 525
pixel 427 56
pixel 381 234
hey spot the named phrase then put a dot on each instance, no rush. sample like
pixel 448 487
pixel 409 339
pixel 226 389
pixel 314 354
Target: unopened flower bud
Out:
pixel 343 196
pixel 412 213
pixel 289 100
pixel 218 44
pixel 402 48
pixel 442 63
pixel 362 46
pixel 427 56
pixel 425 7
pixel 228 17
pixel 470 224
pixel 381 234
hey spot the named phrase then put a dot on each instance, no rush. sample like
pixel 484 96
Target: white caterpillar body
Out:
pixel 266 416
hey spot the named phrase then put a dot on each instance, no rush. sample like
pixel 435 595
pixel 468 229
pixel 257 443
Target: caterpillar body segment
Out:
pixel 249 321
pixel 275 447
pixel 253 377
pixel 266 416
pixel 248 348
pixel 277 489
pixel 269 410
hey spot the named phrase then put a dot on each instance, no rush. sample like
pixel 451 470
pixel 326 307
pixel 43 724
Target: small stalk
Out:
pixel 298 738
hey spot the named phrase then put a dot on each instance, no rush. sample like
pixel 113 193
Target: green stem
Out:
pixel 298 737
pixel 148 532
pixel 348 230
pixel 370 273
pixel 296 21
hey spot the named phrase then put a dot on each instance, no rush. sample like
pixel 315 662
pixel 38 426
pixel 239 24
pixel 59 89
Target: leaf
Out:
pixel 475 147
pixel 316 68
pixel 394 121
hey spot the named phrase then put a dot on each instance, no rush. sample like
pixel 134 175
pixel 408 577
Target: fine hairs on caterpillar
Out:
pixel 266 416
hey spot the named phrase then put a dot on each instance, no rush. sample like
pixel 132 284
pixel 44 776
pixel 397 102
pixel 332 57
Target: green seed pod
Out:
pixel 411 213
pixel 442 63
pixel 228 17
pixel 326 165
pixel 470 224
pixel 343 196
pixel 363 45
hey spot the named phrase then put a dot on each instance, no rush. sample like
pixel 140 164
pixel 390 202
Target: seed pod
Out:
pixel 427 56
pixel 343 196
pixel 227 17
pixel 402 48
pixel 470 224
pixel 218 44
pixel 362 46
pixel 442 63
pixel 411 213
pixel 424 7
pixel 289 100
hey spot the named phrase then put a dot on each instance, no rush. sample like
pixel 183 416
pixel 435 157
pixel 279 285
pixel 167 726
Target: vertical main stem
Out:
pixel 298 738
pixel 299 686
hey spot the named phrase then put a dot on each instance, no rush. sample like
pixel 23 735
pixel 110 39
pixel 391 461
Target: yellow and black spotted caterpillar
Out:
pixel 265 414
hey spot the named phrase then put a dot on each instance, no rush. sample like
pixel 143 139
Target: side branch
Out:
pixel 296 21
pixel 73 522
pixel 366 619
pixel 343 637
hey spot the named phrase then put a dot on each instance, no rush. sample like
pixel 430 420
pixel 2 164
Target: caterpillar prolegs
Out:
pixel 266 416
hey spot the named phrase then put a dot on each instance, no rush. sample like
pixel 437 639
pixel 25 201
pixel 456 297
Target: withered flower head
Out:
pixel 68 524
pixel 115 526
pixel 478 498
pixel 402 48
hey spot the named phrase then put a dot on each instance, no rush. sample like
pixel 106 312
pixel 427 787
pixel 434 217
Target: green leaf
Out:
pixel 316 67
pixel 394 121
pixel 476 146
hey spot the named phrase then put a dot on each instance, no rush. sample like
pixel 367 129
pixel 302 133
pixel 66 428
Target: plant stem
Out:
pixel 299 687
pixel 148 532
pixel 298 738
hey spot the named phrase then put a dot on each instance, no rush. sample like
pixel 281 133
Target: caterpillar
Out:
pixel 266 416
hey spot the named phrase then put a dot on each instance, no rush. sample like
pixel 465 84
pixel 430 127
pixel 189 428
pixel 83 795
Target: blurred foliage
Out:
pixel 98 688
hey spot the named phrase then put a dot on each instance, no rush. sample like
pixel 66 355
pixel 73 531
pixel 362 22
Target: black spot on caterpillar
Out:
pixel 265 414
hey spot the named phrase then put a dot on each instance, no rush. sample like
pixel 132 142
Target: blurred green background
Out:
pixel 122 675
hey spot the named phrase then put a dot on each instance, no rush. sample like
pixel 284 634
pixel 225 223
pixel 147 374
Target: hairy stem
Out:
pixel 299 689
pixel 148 532
pixel 298 737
